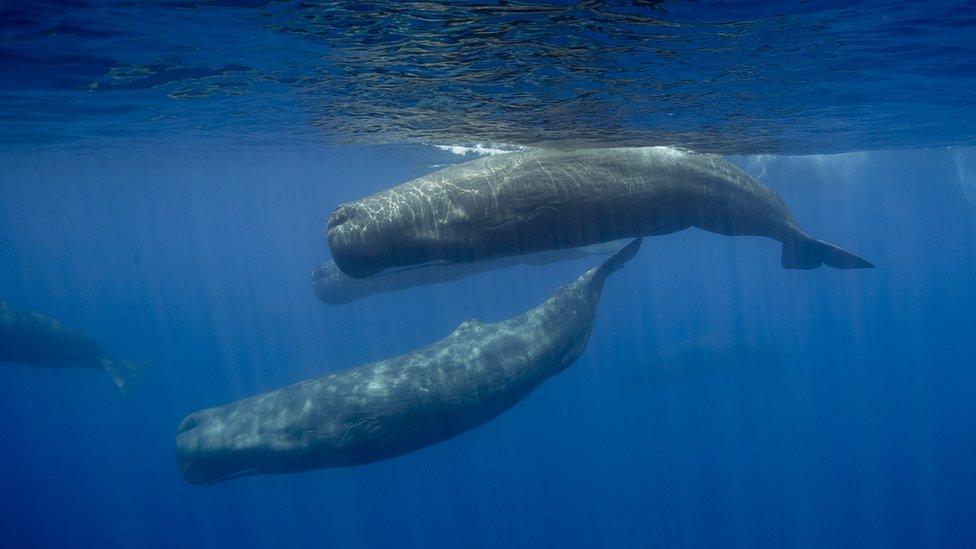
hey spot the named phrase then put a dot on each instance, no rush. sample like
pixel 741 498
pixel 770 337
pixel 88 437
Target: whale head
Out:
pixel 333 286
pixel 248 437
pixel 362 243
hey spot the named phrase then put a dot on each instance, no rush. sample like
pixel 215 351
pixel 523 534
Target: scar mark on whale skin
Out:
pixel 366 428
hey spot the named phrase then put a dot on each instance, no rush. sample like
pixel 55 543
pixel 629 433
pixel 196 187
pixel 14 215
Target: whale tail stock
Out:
pixel 125 374
pixel 802 251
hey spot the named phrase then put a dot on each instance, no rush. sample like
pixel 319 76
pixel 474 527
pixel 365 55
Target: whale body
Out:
pixel 396 406
pixel 335 287
pixel 712 355
pixel 30 338
pixel 524 202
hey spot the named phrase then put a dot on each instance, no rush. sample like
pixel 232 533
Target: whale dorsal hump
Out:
pixel 469 325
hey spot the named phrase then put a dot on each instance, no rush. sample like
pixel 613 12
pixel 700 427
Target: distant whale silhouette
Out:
pixel 714 354
pixel 395 406
pixel 31 338
pixel 335 287
pixel 537 200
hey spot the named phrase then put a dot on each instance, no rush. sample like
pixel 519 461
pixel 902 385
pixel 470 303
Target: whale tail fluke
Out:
pixel 595 277
pixel 617 260
pixel 806 252
pixel 125 374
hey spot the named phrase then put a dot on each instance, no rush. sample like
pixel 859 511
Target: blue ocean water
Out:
pixel 166 169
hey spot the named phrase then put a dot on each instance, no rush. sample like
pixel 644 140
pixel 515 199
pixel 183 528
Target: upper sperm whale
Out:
pixel 537 200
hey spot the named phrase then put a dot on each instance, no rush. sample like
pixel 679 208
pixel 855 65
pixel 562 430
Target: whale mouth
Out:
pixel 201 473
pixel 358 253
pixel 220 444
pixel 213 465
pixel 231 476
pixel 208 467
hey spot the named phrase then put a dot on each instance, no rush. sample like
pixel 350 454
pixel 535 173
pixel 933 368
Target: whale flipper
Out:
pixel 125 373
pixel 806 252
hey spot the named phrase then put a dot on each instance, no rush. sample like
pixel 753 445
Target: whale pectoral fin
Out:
pixel 804 252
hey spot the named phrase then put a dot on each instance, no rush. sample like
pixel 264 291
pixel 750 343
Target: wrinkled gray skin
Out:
pixel 396 406
pixel 335 287
pixel 33 339
pixel 524 202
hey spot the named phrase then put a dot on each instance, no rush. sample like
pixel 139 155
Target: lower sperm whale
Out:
pixel 27 337
pixel 524 202
pixel 396 406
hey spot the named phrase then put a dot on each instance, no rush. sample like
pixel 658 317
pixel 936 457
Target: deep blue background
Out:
pixel 858 432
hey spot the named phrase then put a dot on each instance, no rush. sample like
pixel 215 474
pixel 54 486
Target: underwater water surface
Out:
pixel 166 170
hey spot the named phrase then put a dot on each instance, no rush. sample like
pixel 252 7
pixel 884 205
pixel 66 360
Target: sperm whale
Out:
pixel 536 200
pixel 396 406
pixel 30 338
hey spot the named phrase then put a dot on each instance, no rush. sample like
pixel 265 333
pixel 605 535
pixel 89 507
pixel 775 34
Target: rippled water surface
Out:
pixel 732 77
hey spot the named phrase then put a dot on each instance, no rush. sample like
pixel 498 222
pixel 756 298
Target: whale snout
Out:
pixel 209 450
pixel 243 438
pixel 328 285
pixel 191 451
pixel 359 244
